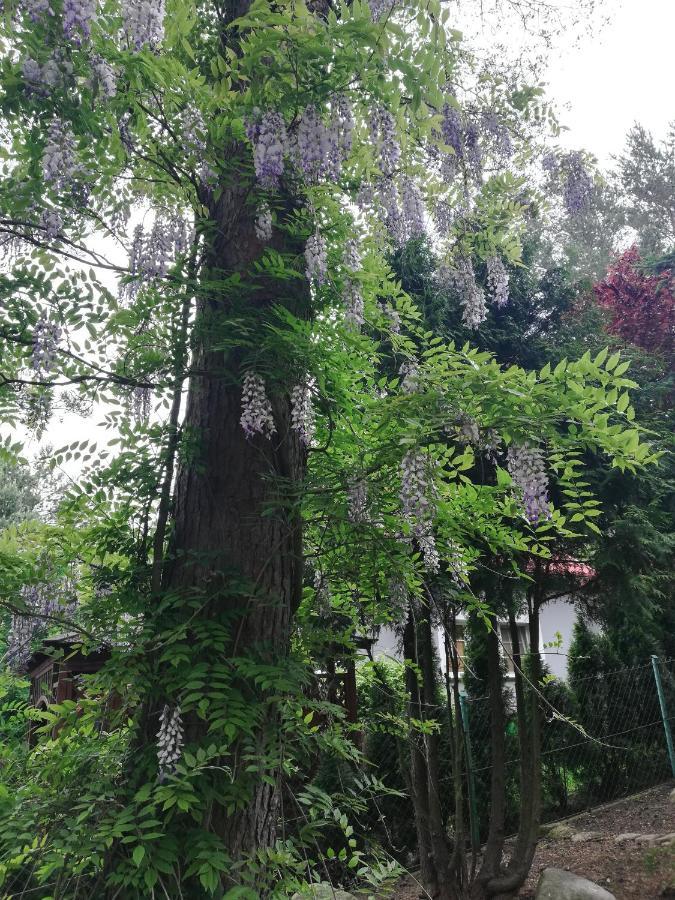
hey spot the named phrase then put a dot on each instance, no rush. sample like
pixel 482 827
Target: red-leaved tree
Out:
pixel 642 305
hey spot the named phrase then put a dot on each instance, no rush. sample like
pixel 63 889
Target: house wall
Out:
pixel 556 616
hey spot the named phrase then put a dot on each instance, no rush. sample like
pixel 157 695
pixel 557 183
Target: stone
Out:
pixel 585 837
pixel 557 884
pixel 666 839
pixel 561 832
pixel 628 836
pixel 323 891
pixel 648 839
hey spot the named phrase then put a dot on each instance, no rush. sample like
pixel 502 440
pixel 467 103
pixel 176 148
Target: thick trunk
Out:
pixel 234 566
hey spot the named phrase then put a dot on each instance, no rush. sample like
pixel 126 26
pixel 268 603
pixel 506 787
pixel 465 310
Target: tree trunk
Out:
pixel 234 565
pixel 494 847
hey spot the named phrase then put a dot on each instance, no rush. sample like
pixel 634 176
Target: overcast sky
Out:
pixel 623 74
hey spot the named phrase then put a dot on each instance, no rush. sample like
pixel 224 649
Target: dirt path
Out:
pixel 628 870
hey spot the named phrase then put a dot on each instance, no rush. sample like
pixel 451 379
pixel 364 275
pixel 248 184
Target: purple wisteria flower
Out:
pixel 267 133
pixel 578 189
pixel 103 77
pixel 527 468
pixel 59 161
pixel 144 23
pixel 354 310
pixel 46 337
pixel 417 504
pixel 412 208
pixel 77 18
pixel 471 294
pixel 385 138
pixel 316 258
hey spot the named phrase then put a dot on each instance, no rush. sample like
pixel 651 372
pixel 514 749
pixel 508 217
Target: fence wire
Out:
pixel 602 739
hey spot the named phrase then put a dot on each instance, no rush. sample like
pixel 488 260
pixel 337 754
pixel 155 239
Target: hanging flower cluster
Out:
pixel 387 196
pixel 302 413
pixel 46 337
pixel 379 9
pixel 263 224
pixel 499 134
pixel 41 79
pixel 59 161
pixel 354 309
pixel 413 208
pixel 569 169
pixel 315 148
pixel 471 294
pixel 410 376
pixel 103 77
pixel 51 223
pixel 37 9
pixel 77 18
pixel 140 404
pixel 527 469
pixel 41 601
pixel 144 23
pixel 267 133
pixel 498 280
pixel 256 409
pixel 417 489
pixel 152 253
pixel 316 258
pixel 357 501
pixel 352 256
pixel 385 138
pixel 170 740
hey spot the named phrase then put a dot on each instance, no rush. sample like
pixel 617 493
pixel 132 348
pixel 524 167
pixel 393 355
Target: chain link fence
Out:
pixel 604 737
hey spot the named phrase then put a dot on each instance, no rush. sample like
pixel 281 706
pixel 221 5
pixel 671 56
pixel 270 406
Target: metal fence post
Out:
pixel 473 812
pixel 664 713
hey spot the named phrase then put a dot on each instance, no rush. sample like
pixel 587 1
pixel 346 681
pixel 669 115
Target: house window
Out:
pixel 507 646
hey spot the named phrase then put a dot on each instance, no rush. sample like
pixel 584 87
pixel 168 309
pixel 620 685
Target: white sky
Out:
pixel 601 84
pixel 623 74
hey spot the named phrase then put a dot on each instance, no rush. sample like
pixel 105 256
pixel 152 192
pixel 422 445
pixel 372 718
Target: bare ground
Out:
pixel 628 870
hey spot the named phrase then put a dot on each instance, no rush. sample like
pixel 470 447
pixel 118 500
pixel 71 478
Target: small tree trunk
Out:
pixel 495 842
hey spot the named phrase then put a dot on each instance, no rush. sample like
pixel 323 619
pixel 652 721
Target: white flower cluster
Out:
pixel 59 161
pixel 527 469
pixel 144 23
pixel 140 404
pixel 46 337
pixel 256 409
pixel 316 257
pixel 302 413
pixel 170 739
pixel 354 310
pixel 417 489
pixel 498 280
pixel 471 294
pixel 263 224
pixel 410 376
pixel 357 501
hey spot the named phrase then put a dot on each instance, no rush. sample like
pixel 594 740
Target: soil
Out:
pixel 627 870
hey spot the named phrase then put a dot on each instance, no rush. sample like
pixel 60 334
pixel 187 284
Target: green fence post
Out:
pixel 664 713
pixel 473 813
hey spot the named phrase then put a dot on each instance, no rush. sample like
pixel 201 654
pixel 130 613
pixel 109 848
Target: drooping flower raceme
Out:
pixel 140 404
pixel 357 501
pixel 316 258
pixel 267 133
pixel 144 23
pixel 316 152
pixel 37 9
pixel 380 8
pixel 451 129
pixel 263 224
pixel 471 294
pixel 256 409
pixel 387 195
pixel 417 491
pixel 103 77
pixel 354 311
pixel 170 739
pixel 352 256
pixel 385 138
pixel 302 413
pixel 77 18
pixel 413 208
pixel 51 222
pixel 410 376
pixel 46 337
pixel 578 189
pixel 498 280
pixel 59 162
pixel 527 469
